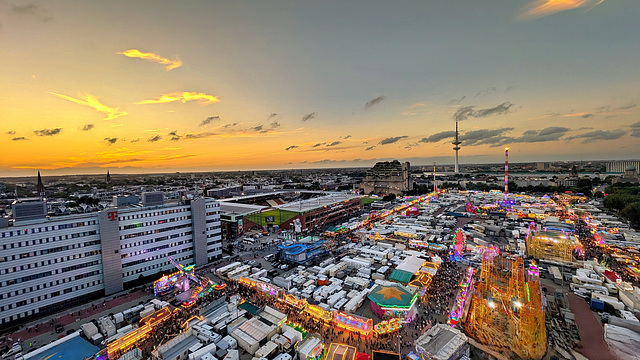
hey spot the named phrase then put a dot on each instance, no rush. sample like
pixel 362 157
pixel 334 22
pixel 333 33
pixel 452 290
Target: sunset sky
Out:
pixel 154 86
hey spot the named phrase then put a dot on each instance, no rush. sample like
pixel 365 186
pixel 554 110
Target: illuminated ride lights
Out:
pixel 319 313
pixel 299 328
pixel 388 326
pixel 129 340
pixel 458 245
pixel 428 245
pixel 294 301
pixel 185 324
pixel 219 286
pixel 166 283
pixel 353 323
pixel 454 316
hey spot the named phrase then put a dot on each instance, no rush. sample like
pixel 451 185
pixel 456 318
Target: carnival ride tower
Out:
pixel 458 245
pixel 506 308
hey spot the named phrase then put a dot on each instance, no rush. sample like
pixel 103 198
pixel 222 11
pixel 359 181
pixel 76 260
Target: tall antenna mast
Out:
pixel 456 148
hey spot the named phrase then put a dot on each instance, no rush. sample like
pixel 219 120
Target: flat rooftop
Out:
pixel 76 348
pixel 240 209
pixel 317 202
pixel 180 347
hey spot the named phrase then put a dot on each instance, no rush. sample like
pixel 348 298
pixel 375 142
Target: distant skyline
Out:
pixel 158 86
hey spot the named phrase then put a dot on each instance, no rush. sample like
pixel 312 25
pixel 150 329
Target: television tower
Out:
pixel 506 170
pixel 456 148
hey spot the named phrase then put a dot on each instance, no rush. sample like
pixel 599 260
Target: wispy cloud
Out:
pixel 230 125
pixel 374 101
pixel 466 112
pixel 309 116
pixel 93 102
pixel 319 144
pixel 111 141
pixel 347 137
pixel 173 136
pixel 275 124
pixel 210 119
pixel 584 115
pixel 626 107
pixel 551 133
pixel 291 147
pixel 88 127
pixel 485 137
pixel 599 135
pixel 11 132
pixel 485 92
pixel 199 135
pixel 182 97
pixel 19 138
pixel 457 101
pixel 327 161
pixel 272 115
pixel 135 53
pixel 135 140
pixel 334 143
pixel 540 8
pixel 154 138
pixel 47 132
pixel 31 9
pixel 391 140
pixel 438 137
pixel 635 129
pixel 370 148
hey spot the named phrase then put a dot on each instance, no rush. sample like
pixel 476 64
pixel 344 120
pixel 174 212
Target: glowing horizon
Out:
pixel 274 87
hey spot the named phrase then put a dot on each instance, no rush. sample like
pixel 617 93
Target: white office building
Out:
pixel 50 263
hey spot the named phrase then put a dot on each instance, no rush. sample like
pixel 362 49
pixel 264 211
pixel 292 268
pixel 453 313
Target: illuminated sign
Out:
pixel 113 215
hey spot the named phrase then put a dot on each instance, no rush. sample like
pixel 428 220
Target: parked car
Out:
pixel 59 328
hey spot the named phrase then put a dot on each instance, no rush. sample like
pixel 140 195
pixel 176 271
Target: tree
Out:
pixel 631 212
pixel 389 197
pixel 616 201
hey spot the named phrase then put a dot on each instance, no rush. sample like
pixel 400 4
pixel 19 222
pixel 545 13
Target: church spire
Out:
pixel 108 177
pixel 40 186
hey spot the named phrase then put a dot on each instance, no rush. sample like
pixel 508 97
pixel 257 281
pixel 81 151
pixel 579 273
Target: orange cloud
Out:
pixel 135 53
pixel 93 102
pixel 541 8
pixel 183 97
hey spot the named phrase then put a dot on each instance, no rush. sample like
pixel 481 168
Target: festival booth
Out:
pixel 319 314
pixel 388 326
pixel 311 348
pixel 384 355
pixel 394 301
pixel 341 352
pixel 353 323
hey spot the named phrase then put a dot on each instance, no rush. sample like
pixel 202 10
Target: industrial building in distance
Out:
pixel 388 177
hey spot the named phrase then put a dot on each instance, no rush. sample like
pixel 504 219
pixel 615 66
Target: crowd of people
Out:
pixel 444 286
pixel 432 309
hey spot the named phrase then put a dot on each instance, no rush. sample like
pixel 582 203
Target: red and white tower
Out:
pixel 506 170
pixel 435 185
